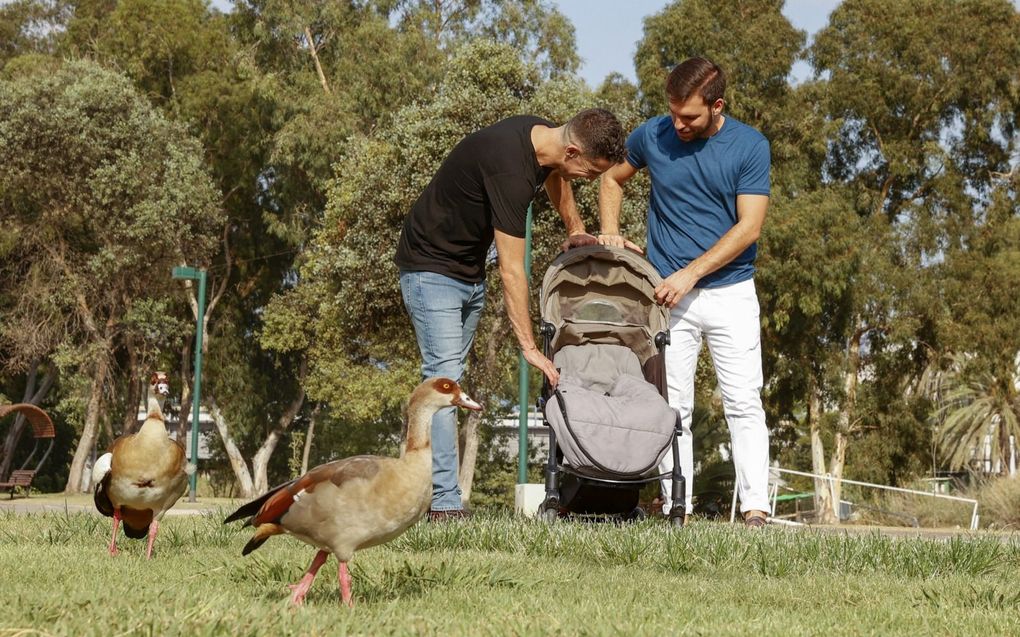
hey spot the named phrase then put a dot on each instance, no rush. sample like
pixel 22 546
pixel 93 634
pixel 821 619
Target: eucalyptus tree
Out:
pixel 923 117
pixel 106 195
pixel 542 35
pixel 183 58
pixel 979 390
pixel 30 27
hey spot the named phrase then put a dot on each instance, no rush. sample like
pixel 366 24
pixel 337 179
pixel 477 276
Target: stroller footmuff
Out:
pixel 610 424
pixel 609 421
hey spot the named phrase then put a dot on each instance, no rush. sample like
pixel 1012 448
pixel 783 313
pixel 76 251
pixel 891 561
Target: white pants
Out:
pixel 727 317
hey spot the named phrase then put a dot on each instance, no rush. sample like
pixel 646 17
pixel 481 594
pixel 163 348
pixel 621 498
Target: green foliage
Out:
pixel 543 37
pixel 29 27
pixel 975 404
pixel 927 107
pixel 906 122
pixel 104 195
pixel 364 352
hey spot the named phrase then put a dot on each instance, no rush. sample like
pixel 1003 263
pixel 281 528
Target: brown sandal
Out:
pixel 755 519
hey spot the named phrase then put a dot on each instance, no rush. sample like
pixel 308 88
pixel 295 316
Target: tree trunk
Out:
pixel 237 462
pixel 308 440
pixel 1003 434
pixel 485 367
pixel 184 413
pixel 836 464
pixel 315 58
pixel 824 511
pixel 468 454
pixel 30 395
pixel 133 396
pixel 88 435
pixel 260 463
pixel 845 429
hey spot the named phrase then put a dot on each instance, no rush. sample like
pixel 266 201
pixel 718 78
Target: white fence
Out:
pixel 832 485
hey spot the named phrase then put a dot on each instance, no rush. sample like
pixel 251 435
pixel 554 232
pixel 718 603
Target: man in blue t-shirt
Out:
pixel 710 191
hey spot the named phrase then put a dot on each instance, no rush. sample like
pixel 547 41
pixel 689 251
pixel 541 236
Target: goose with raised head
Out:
pixel 143 474
pixel 362 501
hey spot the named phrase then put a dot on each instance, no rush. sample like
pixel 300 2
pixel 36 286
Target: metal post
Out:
pixel 196 393
pixel 522 375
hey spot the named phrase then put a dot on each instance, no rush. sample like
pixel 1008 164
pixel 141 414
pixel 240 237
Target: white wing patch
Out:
pixel 101 468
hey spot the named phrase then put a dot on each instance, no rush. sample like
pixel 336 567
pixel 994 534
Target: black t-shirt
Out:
pixel 486 182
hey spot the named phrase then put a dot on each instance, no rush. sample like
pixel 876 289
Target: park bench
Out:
pixel 42 430
pixel 18 478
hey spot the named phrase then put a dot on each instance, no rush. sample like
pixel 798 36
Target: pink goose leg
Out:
pixel 153 530
pixel 116 525
pixel 345 585
pixel 301 588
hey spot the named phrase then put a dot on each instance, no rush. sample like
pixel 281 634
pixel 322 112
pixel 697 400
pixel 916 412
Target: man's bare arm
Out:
pixel 561 194
pixel 515 294
pixel 610 200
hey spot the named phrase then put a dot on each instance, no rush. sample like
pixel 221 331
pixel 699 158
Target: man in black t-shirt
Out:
pixel 480 195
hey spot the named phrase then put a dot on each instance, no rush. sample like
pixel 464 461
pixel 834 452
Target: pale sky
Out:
pixel 607 31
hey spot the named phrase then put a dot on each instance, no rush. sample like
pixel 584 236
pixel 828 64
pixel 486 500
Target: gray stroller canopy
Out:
pixel 599 294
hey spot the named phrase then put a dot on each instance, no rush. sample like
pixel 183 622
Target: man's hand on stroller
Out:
pixel 537 359
pixel 579 239
pixel 619 241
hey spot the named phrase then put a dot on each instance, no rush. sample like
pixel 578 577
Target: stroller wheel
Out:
pixel 677 521
pixel 549 514
pixel 635 515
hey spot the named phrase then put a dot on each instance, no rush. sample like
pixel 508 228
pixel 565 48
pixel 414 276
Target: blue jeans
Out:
pixel 445 313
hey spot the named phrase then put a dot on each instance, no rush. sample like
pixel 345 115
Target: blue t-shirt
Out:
pixel 695 184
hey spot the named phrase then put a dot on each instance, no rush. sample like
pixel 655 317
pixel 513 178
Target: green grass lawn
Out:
pixel 505 576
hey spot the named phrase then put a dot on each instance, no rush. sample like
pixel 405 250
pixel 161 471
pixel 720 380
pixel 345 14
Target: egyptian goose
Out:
pixel 143 474
pixel 358 502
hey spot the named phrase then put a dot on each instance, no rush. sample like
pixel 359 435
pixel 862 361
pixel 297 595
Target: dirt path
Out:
pixel 58 502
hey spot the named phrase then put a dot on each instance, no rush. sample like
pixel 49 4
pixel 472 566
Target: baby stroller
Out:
pixel 610 423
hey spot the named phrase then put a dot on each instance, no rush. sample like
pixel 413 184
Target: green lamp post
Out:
pixel 522 376
pixel 194 274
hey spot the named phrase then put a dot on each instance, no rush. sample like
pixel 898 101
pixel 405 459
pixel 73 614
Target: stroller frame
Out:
pixel 564 485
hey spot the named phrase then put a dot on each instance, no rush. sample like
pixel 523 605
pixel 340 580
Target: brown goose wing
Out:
pixel 267 510
pixel 336 472
pixel 100 493
pixel 101 497
pixel 180 456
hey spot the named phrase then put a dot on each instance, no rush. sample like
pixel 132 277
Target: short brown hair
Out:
pixel 696 75
pixel 599 134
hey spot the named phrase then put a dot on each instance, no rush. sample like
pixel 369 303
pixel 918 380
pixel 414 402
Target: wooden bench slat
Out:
pixel 18 478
